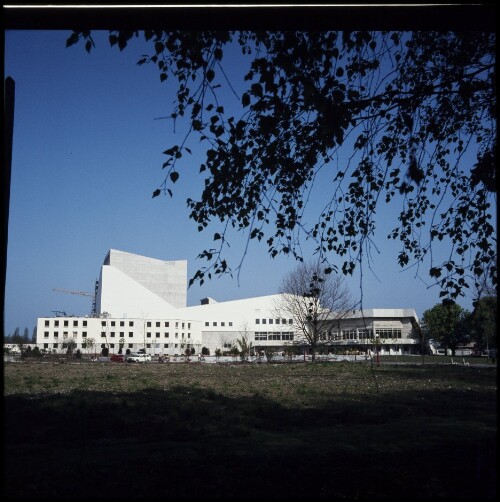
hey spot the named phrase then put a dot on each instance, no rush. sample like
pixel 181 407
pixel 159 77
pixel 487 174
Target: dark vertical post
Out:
pixel 9 98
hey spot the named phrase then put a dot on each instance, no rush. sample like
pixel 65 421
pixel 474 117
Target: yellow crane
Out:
pixel 83 293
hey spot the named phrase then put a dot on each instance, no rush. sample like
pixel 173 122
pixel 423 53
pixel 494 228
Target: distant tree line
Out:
pixel 16 337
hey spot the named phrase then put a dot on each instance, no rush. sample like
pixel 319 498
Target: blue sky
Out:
pixel 87 156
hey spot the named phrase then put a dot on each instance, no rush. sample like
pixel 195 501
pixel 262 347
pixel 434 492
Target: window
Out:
pixel 103 334
pixel 157 335
pixel 275 337
pixel 165 345
pixel 182 325
pixel 257 321
pixel 290 321
pixel 214 323
pixel 148 334
pixel 64 345
pixel 189 325
pixel 130 334
pixel 84 323
pixel 56 334
pixel 45 345
pixel 103 323
pixel 45 334
pixel 182 335
pixel 112 334
pixel 113 323
pixel 222 323
pixel 65 334
pixel 122 323
pixel 263 321
pixel 283 321
pixel 176 324
pixel 167 325
pixel 148 324
pixel 55 345
pixel 166 334
pixel 130 345
pixel 230 323
pixel 122 334
pixel 270 321
pixel 189 335
pixel 75 323
pixel 177 335
pixel 56 323
pixel 84 334
pixel 112 345
pixel 131 323
pixel 176 345
pixel 207 323
pixel 47 323
pixel 277 321
pixel 364 333
pixel 157 324
pixel 260 336
pixel 148 345
pixel 66 323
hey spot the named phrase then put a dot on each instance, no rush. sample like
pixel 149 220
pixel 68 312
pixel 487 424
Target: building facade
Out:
pixel 141 304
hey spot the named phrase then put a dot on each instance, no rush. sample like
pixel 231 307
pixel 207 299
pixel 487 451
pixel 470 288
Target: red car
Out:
pixel 117 358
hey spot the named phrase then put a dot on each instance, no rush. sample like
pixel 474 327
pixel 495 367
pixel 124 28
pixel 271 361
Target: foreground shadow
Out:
pixel 194 443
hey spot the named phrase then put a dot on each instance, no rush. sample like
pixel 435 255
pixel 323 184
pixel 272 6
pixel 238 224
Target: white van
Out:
pixel 138 358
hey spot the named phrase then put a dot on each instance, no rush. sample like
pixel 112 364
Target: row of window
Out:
pixel 112 334
pixel 112 345
pixel 353 334
pixel 166 335
pixel 263 335
pixel 75 323
pixel 388 333
pixel 361 334
pixel 222 323
pixel 149 324
pixel 167 324
pixel 65 334
pixel 273 321
pixel 65 323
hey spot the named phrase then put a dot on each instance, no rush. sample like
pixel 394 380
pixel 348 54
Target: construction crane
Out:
pixel 83 293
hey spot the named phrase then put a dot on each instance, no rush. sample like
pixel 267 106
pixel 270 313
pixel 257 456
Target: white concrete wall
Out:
pixel 122 296
pixel 166 279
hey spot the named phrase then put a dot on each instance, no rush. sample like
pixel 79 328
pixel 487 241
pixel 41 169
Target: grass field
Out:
pixel 291 431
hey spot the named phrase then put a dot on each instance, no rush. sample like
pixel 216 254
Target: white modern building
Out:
pixel 141 304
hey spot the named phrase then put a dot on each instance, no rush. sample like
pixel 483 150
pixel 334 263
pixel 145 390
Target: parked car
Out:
pixel 117 358
pixel 138 358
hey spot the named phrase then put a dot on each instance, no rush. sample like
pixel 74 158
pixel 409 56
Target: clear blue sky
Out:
pixel 87 156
